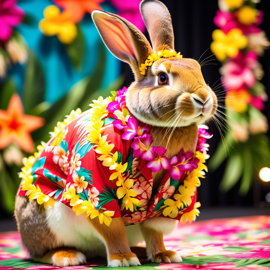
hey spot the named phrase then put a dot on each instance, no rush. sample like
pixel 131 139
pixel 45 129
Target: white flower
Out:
pixel 93 196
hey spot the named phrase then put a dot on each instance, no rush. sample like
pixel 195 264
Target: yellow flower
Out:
pixel 105 217
pixel 56 23
pixel 40 197
pixel 184 198
pixel 228 45
pixel 109 160
pixel 171 210
pixel 104 150
pixel 119 170
pixel 72 196
pixel 72 115
pixel 128 203
pixel 234 4
pixel 247 15
pixel 80 183
pixel 125 189
pixel 191 216
pixel 237 100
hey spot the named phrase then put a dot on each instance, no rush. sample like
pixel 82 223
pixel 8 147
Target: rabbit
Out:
pixel 172 94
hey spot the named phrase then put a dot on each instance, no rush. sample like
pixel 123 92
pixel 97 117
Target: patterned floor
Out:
pixel 242 243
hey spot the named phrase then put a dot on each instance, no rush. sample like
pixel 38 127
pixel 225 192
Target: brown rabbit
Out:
pixel 172 94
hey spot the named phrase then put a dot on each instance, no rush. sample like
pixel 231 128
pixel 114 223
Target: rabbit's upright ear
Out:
pixel 158 23
pixel 124 40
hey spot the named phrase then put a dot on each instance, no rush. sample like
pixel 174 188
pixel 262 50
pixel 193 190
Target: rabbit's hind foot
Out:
pixel 63 257
pixel 167 256
pixel 119 260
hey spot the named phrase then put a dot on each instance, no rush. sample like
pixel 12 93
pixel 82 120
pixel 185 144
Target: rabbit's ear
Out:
pixel 124 40
pixel 158 23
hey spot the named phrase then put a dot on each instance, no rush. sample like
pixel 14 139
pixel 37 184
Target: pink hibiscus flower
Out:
pixel 130 11
pixel 160 161
pixel 227 21
pixel 181 163
pixel 10 16
pixel 238 71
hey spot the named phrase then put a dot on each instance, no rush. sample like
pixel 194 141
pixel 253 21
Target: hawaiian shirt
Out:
pixel 69 159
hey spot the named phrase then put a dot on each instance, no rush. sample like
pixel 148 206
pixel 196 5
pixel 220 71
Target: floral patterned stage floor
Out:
pixel 242 243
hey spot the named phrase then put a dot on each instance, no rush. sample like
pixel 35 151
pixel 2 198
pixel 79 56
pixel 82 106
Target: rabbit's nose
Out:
pixel 199 101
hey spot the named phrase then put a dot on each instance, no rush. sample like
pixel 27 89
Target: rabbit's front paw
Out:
pixel 127 259
pixel 167 256
pixel 68 257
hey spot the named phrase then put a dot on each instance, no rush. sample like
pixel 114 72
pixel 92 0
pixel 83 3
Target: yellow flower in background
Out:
pixel 224 46
pixel 247 15
pixel 237 100
pixel 56 23
pixel 234 4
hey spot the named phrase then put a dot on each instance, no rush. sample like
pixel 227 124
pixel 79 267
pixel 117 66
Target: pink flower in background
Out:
pixel 10 16
pixel 238 71
pixel 227 21
pixel 130 10
pixel 257 102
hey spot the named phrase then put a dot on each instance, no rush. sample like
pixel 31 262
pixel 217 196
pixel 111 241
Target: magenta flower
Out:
pixel 181 163
pixel 227 21
pixel 238 71
pixel 121 92
pixel 113 106
pixel 10 16
pixel 143 130
pixel 257 102
pixel 142 148
pixel 130 10
pixel 202 146
pixel 118 124
pixel 131 129
pixel 160 160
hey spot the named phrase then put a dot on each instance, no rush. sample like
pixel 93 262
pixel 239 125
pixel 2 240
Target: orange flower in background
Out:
pixel 237 100
pixel 77 8
pixel 15 127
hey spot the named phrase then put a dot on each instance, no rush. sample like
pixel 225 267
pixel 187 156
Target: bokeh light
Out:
pixel 267 197
pixel 265 174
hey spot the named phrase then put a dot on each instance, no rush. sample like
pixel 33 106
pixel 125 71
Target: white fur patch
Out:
pixel 161 224
pixel 74 231
pixel 79 259
pixel 77 232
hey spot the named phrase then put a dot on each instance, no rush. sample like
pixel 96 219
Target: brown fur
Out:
pixel 155 244
pixel 32 225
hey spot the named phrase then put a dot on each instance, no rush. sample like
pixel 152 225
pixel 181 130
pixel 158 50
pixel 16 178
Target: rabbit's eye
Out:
pixel 163 78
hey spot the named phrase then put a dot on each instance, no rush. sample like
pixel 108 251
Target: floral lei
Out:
pixel 188 164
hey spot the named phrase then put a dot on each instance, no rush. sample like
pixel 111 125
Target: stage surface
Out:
pixel 236 243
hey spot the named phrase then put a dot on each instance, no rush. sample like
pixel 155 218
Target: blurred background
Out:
pixel 52 61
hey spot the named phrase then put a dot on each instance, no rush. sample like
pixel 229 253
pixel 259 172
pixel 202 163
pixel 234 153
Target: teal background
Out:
pixel 59 72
